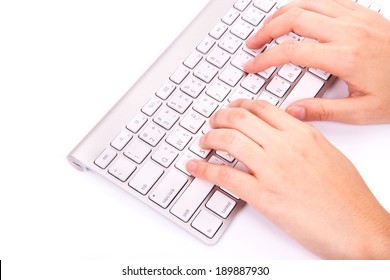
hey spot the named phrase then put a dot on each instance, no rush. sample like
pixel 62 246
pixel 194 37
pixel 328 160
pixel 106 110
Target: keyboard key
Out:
pixel 265 5
pixel 221 204
pixel 152 106
pixel 242 29
pixel 180 74
pixel 182 162
pixel 206 72
pixel 218 57
pixel 166 90
pixel 206 106
pixel 267 73
pixel 168 188
pixel 179 138
pixel 166 118
pixel 218 90
pixel 191 199
pixel 265 95
pixel 105 158
pixel 320 73
pixel 240 93
pixel 193 59
pixel 193 121
pixel 241 59
pixel 122 168
pixel 137 151
pixel 253 83
pixel 290 72
pixel 254 16
pixel 231 16
pixel 179 102
pixel 207 223
pixel 122 139
pixel 307 87
pixel 218 30
pixel 193 87
pixel 145 179
pixel 242 4
pixel 206 45
pixel 231 75
pixel 137 122
pixel 278 86
pixel 165 155
pixel 230 43
pixel 196 149
pixel 152 134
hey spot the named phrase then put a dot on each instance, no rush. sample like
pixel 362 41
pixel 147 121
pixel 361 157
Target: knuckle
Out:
pixel 224 176
pixel 237 115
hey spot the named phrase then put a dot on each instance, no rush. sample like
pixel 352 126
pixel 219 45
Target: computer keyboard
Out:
pixel 144 142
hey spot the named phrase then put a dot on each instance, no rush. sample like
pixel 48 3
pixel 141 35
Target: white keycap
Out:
pixel 179 138
pixel 226 156
pixel 207 223
pixel 254 52
pixel 307 87
pixel 218 57
pixel 253 83
pixel 152 134
pixel 182 162
pixel 242 4
pixel 267 73
pixel 122 139
pixel 218 90
pixel 122 168
pixel 206 106
pixel 179 102
pixel 105 158
pixel 290 72
pixel 231 75
pixel 320 73
pixel 221 204
pixel 165 155
pixel 166 90
pixel 217 161
pixel 206 45
pixel 191 199
pixel 193 121
pixel 206 72
pixel 193 86
pixel 231 16
pixel 193 59
pixel 152 106
pixel 240 93
pixel 254 16
pixel 137 151
pixel 145 179
pixel 265 95
pixel 168 188
pixel 265 5
pixel 218 30
pixel 241 59
pixel 278 86
pixel 196 149
pixel 137 122
pixel 230 43
pixel 242 29
pixel 180 74
pixel 166 118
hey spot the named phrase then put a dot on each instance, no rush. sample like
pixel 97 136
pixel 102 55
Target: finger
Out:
pixel 330 8
pixel 356 110
pixel 272 115
pixel 244 121
pixel 239 183
pixel 305 53
pixel 235 143
pixel 300 21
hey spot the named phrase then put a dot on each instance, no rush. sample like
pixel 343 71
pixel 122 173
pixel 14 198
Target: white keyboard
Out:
pixel 144 142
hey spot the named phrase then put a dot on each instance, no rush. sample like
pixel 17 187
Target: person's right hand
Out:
pixel 354 44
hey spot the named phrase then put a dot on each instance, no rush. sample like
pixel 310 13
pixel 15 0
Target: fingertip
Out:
pixel 298 112
pixel 192 166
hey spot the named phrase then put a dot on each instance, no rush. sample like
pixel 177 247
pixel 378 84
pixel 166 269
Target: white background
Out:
pixel 63 64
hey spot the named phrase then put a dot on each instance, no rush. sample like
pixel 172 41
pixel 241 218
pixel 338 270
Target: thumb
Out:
pixel 356 110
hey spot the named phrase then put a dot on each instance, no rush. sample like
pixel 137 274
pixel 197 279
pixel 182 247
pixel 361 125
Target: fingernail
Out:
pixel 251 40
pixel 191 166
pixel 297 112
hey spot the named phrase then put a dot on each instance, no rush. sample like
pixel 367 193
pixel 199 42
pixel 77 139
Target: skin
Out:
pixel 289 182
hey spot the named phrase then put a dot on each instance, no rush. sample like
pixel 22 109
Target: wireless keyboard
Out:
pixel 145 140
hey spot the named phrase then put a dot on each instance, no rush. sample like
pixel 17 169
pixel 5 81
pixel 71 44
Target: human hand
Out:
pixel 354 44
pixel 297 179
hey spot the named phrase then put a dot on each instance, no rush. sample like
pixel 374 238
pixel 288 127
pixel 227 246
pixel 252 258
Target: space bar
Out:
pixel 307 87
pixel 193 196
